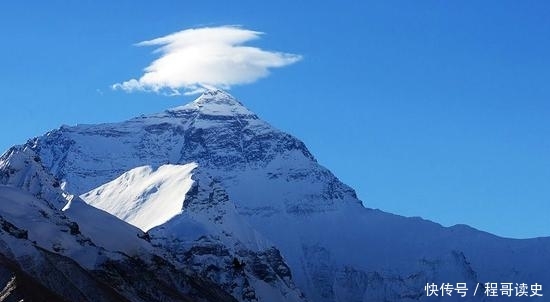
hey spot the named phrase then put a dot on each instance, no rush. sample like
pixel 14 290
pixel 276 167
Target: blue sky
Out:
pixel 436 109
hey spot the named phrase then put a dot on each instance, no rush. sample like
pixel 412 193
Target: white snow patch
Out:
pixel 145 197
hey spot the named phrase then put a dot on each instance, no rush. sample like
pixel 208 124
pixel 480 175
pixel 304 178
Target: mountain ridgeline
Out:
pixel 207 202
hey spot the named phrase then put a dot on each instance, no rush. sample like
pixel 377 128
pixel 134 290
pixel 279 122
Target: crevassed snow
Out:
pixel 144 197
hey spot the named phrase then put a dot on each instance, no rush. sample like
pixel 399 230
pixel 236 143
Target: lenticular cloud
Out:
pixel 205 57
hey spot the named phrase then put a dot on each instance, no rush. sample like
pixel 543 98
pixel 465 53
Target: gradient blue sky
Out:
pixel 438 109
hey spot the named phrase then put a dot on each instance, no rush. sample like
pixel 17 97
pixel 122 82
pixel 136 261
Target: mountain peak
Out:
pixel 217 97
pixel 216 102
pixel 215 94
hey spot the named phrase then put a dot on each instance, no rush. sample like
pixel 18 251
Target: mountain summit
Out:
pixel 217 102
pixel 221 195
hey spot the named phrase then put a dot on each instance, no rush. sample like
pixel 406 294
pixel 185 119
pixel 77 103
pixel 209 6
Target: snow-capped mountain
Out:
pixel 214 195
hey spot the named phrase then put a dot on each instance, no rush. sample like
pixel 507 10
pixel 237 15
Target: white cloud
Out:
pixel 193 59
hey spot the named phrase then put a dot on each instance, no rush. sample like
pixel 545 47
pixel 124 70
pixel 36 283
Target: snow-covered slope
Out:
pixel 55 246
pixel 24 172
pixel 190 215
pixel 144 197
pixel 200 232
pixel 255 186
pixel 41 244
